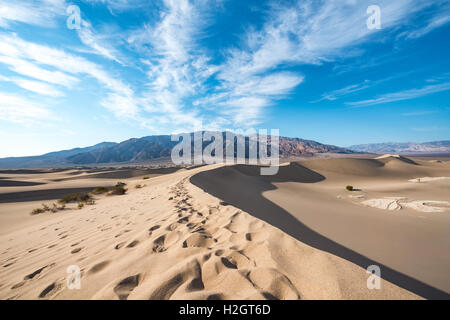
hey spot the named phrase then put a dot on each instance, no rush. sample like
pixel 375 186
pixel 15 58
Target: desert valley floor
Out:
pixel 225 232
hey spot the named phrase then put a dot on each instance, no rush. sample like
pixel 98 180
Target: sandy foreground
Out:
pixel 224 232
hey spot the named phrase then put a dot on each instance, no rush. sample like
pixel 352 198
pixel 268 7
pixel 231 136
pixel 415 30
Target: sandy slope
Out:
pixel 171 240
pixel 308 201
pixel 284 237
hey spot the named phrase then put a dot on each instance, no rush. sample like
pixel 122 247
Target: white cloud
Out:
pixel 308 32
pixel 178 90
pixel 441 18
pixel 34 86
pixel 403 95
pixel 20 110
pixel 177 69
pixel 42 13
pixel 335 94
pixel 97 42
pixel 70 64
pixel 29 69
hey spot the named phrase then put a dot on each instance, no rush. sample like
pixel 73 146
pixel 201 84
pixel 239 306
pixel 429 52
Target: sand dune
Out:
pixel 224 232
pixel 315 215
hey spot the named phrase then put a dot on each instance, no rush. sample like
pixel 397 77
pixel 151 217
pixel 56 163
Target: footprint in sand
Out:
pixel 8 264
pixel 150 231
pixel 273 284
pixel 99 266
pixel 50 290
pixel 76 250
pixel 158 244
pixel 126 286
pixel 133 244
pixel 119 245
pixel 37 272
pixel 198 240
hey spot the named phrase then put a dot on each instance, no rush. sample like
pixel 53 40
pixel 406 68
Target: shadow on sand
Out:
pixel 39 195
pixel 248 197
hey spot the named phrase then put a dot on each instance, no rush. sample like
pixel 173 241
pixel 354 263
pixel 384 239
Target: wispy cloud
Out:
pixel 309 32
pixel 403 95
pixel 177 69
pixel 417 113
pixel 183 86
pixel 335 94
pixel 42 13
pixel 31 70
pixel 99 44
pixel 21 110
pixel 34 86
pixel 66 63
pixel 433 22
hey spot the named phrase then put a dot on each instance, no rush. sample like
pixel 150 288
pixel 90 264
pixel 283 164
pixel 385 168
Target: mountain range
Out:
pixel 145 149
pixel 406 147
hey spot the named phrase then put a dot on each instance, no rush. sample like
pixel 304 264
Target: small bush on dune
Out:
pixel 37 211
pixel 138 186
pixel 349 188
pixel 45 208
pixel 90 202
pixel 120 184
pixel 146 178
pixel 80 205
pixel 100 190
pixel 118 190
pixel 54 208
pixel 75 197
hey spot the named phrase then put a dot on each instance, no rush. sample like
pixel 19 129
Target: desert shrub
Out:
pixel 45 207
pixel 37 211
pixel 146 178
pixel 54 208
pixel 99 190
pixel 118 190
pixel 138 186
pixel 75 197
pixel 80 205
pixel 90 202
pixel 349 188
pixel 120 184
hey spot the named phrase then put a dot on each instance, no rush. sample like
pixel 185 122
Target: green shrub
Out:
pixel 54 208
pixel 118 190
pixel 349 188
pixel 146 178
pixel 80 205
pixel 138 186
pixel 37 211
pixel 120 184
pixel 45 208
pixel 100 190
pixel 75 197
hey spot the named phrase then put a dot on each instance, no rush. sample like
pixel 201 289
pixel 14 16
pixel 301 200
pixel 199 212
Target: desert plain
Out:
pixel 226 232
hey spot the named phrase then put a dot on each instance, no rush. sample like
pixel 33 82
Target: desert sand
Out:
pixel 225 232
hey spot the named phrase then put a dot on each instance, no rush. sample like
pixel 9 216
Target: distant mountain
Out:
pixel 52 159
pixel 146 149
pixel 407 147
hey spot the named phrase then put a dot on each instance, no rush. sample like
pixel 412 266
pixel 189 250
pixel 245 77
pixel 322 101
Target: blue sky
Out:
pixel 311 68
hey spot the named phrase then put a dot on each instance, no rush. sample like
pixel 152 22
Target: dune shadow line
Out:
pixel 252 201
